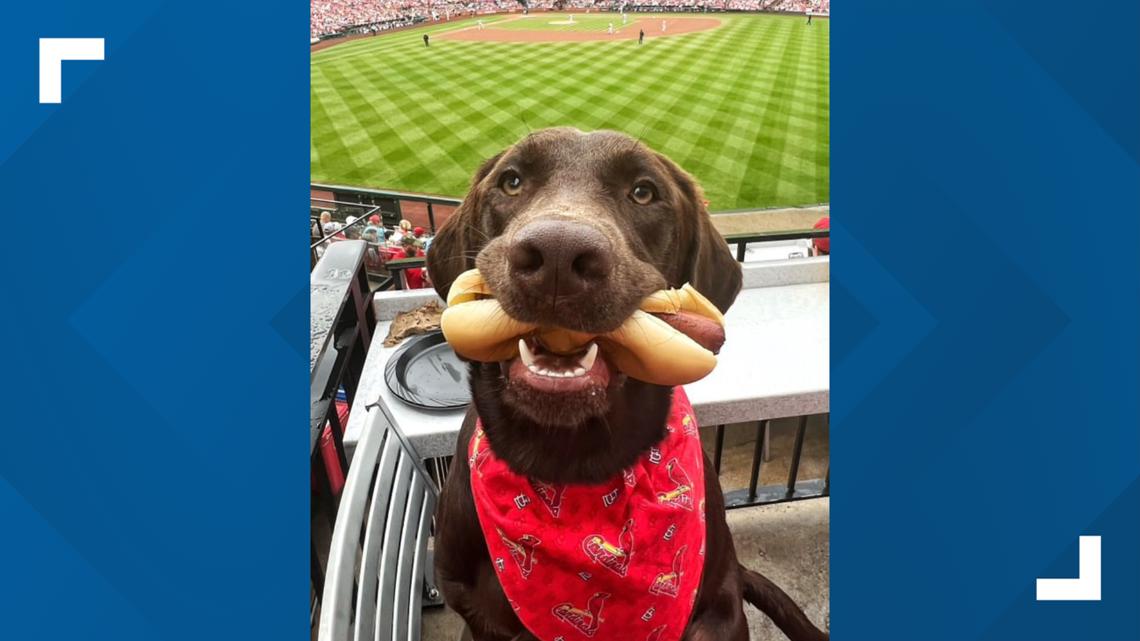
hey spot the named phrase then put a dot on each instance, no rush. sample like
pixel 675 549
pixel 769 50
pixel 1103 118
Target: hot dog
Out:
pixel 670 340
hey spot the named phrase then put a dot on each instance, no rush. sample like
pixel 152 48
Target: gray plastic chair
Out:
pixel 379 570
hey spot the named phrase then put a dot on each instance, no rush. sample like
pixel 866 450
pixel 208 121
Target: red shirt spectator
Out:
pixel 414 276
pixel 822 245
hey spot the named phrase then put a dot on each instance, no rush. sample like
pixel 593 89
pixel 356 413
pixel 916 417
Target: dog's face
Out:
pixel 574 230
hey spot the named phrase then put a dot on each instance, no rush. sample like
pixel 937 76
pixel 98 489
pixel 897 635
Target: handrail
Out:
pixel 389 193
pixel 448 200
pixel 741 240
pixel 426 199
pixel 768 236
pixel 340 333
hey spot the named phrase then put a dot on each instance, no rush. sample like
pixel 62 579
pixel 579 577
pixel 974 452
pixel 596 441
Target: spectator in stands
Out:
pixel 374 232
pixel 331 230
pixel 411 243
pixel 351 231
pixel 405 229
pixel 415 275
pixel 330 17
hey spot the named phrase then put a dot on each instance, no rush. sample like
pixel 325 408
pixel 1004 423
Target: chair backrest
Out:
pixel 377 562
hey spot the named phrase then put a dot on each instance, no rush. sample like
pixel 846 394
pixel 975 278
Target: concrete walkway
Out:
pixel 788 543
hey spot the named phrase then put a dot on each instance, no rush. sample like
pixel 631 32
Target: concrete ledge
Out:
pixel 387 304
pixel 777 273
pixel 771 274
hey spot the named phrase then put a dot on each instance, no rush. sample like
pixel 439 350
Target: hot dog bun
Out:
pixel 644 347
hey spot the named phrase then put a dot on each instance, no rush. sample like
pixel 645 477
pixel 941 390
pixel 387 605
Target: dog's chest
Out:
pixel 620 560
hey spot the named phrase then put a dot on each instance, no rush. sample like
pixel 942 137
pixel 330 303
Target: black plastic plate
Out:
pixel 426 373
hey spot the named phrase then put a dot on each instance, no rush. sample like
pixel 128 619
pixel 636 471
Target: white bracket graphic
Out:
pixel 1086 587
pixel 53 51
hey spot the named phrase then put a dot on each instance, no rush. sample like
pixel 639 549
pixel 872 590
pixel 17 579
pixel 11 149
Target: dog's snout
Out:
pixel 558 258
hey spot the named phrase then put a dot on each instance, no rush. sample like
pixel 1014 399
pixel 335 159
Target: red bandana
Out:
pixel 618 561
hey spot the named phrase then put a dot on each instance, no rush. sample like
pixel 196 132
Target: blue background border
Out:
pixel 153 472
pixel 984 317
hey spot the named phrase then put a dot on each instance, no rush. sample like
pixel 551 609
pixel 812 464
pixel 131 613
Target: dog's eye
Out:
pixel 510 183
pixel 643 193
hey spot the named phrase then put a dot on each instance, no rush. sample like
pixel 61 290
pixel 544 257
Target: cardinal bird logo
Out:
pixel 478 452
pixel 629 477
pixel 615 558
pixel 688 426
pixel 656 634
pixel 585 621
pixel 522 551
pixel 669 583
pixel 550 494
pixel 681 495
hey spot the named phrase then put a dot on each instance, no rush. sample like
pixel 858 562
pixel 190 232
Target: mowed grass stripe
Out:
pixel 678 117
pixel 455 135
pixel 734 106
pixel 762 175
pixel 411 155
pixel 376 111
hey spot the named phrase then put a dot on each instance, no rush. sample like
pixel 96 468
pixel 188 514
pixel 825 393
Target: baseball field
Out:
pixel 740 101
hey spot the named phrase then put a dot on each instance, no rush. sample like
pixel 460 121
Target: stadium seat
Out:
pixel 379 570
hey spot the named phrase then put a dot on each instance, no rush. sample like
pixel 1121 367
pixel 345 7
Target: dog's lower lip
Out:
pixel 557 374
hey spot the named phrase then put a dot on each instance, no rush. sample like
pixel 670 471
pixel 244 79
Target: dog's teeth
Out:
pixel 579 372
pixel 587 362
pixel 526 354
pixel 532 367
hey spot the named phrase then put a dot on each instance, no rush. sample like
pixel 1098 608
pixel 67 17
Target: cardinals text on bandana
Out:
pixel 620 561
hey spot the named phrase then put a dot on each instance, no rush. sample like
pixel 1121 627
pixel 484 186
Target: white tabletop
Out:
pixel 775 361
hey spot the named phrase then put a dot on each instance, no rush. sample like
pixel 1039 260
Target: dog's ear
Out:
pixel 454 247
pixel 716 274
pixel 706 260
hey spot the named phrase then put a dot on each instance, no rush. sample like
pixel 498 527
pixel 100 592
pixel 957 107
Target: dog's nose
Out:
pixel 559 258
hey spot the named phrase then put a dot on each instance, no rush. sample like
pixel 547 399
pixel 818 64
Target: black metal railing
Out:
pixel 793 489
pixel 340 325
pixel 741 240
pixel 371 196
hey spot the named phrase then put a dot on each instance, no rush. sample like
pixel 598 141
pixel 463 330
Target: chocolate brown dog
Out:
pixel 574 230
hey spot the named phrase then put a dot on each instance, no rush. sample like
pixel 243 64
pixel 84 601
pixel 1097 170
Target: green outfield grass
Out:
pixel 744 107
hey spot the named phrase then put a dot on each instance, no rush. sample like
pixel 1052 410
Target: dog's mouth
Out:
pixel 671 339
pixel 544 370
